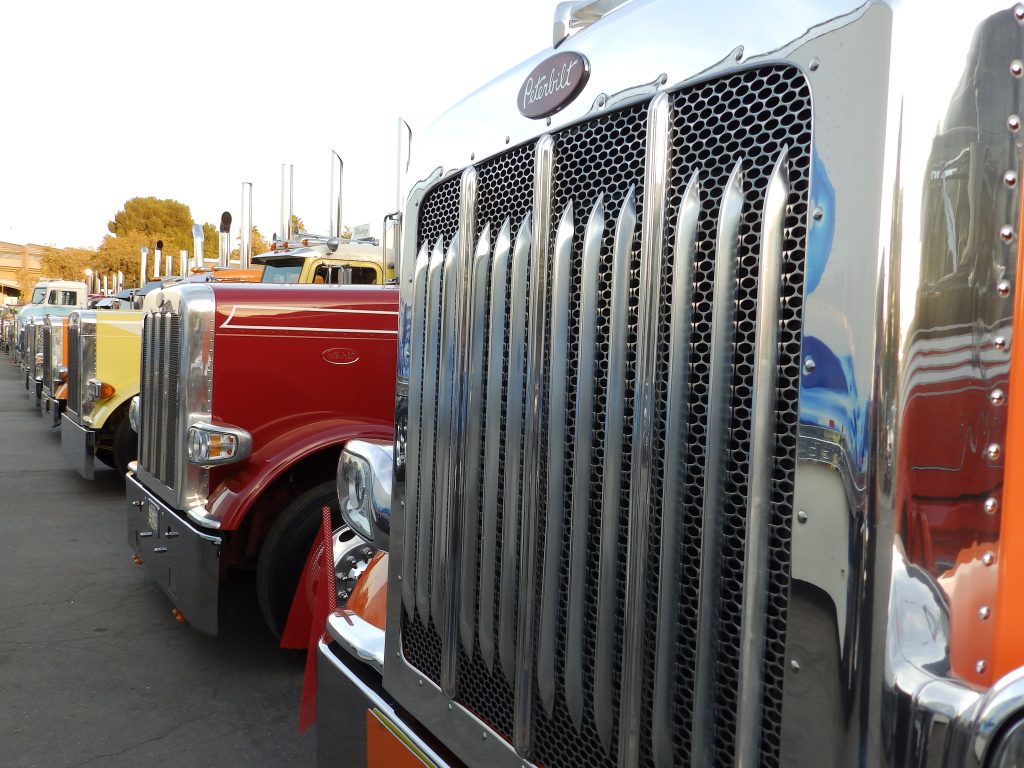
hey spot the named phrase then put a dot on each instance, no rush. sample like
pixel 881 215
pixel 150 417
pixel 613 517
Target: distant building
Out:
pixel 17 263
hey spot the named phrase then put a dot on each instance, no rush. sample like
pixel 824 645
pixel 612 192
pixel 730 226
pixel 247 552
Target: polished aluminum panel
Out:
pixel 555 498
pixel 684 253
pixel 492 429
pixel 532 431
pixel 428 445
pixel 514 394
pixel 584 442
pixel 762 450
pixel 719 386
pixel 474 442
pixel 418 329
pixel 643 427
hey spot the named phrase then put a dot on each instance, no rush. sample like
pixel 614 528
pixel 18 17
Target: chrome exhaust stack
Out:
pixel 144 257
pixel 287 199
pixel 157 258
pixel 197 246
pixel 224 243
pixel 245 241
pixel 337 177
pixel 120 281
pixel 168 264
pixel 183 263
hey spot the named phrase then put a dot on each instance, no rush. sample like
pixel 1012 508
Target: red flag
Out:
pixel 326 602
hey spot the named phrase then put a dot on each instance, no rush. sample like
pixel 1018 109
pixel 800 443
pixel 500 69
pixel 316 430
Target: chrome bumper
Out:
pixel 78 445
pixel 182 560
pixel 346 690
pixel 52 406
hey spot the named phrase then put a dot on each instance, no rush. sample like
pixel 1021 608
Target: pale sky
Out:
pixel 110 100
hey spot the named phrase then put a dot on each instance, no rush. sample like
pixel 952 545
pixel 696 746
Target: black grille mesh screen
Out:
pixel 159 382
pixel 747 117
pixel 74 368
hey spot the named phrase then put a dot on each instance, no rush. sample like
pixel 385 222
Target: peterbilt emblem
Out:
pixel 553 84
pixel 340 356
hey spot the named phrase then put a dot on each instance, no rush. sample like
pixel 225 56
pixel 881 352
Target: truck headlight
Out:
pixel 1009 750
pixel 133 413
pixel 364 489
pixel 210 445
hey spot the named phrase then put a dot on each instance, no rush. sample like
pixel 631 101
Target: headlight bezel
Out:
pixel 363 483
pixel 232 444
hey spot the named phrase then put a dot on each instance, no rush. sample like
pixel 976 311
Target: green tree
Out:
pixel 68 263
pixel 211 238
pixel 298 225
pixel 257 243
pixel 166 220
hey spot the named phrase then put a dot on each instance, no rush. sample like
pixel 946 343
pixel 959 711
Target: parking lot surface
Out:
pixel 94 668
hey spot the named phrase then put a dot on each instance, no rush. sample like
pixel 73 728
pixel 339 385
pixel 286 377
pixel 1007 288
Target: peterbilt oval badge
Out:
pixel 340 356
pixel 553 84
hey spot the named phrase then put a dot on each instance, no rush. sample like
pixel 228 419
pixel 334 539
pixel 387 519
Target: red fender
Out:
pixel 240 487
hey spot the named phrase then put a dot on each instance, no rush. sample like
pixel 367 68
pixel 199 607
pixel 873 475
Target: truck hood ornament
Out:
pixel 553 84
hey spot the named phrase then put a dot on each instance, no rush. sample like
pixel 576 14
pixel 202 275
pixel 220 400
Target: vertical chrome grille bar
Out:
pixel 456 506
pixel 611 490
pixel 560 288
pixel 474 437
pixel 651 255
pixel 676 434
pixel 415 431
pixel 429 416
pixel 446 378
pixel 492 443
pixel 762 445
pixel 513 449
pixel 151 406
pixel 584 447
pixel 167 394
pixel 716 451
pixel 533 429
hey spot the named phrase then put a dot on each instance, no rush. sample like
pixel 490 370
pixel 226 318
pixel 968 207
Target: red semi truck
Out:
pixel 248 393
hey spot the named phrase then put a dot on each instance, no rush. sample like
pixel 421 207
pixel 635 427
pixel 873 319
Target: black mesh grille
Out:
pixel 74 368
pixel 48 355
pixel 748 117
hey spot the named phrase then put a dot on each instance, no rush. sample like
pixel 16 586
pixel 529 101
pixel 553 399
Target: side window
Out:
pixel 52 298
pixel 68 298
pixel 322 275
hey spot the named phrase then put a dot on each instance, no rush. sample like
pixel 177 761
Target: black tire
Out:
pixel 126 445
pixel 106 456
pixel 285 549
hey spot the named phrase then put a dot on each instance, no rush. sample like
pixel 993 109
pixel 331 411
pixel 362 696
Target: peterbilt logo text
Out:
pixel 340 356
pixel 553 84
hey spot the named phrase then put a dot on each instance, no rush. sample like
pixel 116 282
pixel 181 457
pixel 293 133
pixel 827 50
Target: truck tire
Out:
pixel 285 549
pixel 126 444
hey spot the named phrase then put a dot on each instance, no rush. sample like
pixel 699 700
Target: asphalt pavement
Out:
pixel 94 668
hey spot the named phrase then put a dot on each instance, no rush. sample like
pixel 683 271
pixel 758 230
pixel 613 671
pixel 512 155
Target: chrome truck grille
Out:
pixel 602 428
pixel 161 346
pixel 74 365
pixel 38 345
pixel 47 372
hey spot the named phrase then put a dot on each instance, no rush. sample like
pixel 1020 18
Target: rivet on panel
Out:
pixel 507 139
pixel 814 64
pixel 420 681
pixel 991 505
pixel 994 451
pixel 818 214
pixel 483 734
pixel 984 613
pixel 450 707
pixel 1003 288
pixel 988 558
pixel 1018 11
pixel 794 665
pixel 997 397
pixel 999 342
pixel 1017 68
pixel 472 156
pixel 1006 234
pixel 980 667
pixel 548 121
pixel 1010 179
pixel 809 364
pixel 801 516
pixel 1013 123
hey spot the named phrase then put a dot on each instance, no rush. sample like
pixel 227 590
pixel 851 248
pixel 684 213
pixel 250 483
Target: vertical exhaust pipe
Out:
pixel 183 263
pixel 404 150
pixel 224 243
pixel 197 245
pixel 337 177
pixel 105 293
pixel 287 178
pixel 120 281
pixel 245 242
pixel 168 264
pixel 157 257
pixel 144 256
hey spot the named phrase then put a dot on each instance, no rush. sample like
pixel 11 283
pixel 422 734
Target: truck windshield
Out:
pixel 38 294
pixel 282 272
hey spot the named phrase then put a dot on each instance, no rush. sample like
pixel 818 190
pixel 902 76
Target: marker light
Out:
pixel 209 445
